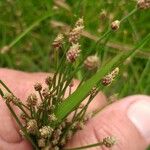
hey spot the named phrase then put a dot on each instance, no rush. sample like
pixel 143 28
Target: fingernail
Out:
pixel 139 114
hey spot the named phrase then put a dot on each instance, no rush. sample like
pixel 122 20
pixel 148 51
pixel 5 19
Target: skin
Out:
pixel 112 120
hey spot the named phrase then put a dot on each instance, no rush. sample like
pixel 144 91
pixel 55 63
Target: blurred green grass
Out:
pixel 34 51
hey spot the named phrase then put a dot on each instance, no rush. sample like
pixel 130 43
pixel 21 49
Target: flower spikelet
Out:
pixel 73 53
pixel 109 141
pixel 75 33
pixel 57 43
pixel 143 4
pixel 107 80
pixel 32 126
pixel 92 62
pixel 46 131
pixel 32 100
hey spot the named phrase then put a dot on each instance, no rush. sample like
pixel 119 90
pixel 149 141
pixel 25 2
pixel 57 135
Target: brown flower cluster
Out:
pixel 143 4
pixel 108 79
pixel 39 120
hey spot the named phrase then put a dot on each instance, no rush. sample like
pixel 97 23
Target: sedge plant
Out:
pixel 53 113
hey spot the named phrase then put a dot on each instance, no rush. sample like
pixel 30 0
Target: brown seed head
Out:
pixel 58 41
pixel 56 148
pixel 115 72
pixel 107 80
pixel 48 80
pixel 80 22
pixel 63 125
pixel 143 4
pixel 109 141
pixel 69 135
pixel 32 100
pixel 55 142
pixel 88 116
pixel 93 91
pixel 79 125
pixel 42 142
pixel 38 86
pixel 46 93
pixel 103 15
pixel 45 131
pixel 56 134
pixel 73 53
pixel 32 126
pixel 63 141
pixel 40 106
pixel 92 62
pixel 21 133
pixel 75 33
pixel 52 117
pixel 73 126
pixel 115 25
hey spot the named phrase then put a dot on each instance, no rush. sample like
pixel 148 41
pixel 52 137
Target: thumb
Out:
pixel 128 120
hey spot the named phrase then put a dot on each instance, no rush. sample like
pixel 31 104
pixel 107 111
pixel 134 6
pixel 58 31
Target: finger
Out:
pixel 22 145
pixel 128 120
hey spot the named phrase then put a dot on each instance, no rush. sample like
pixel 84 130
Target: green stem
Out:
pixel 85 147
pixel 103 36
pixel 8 90
pixel 4 85
pixel 130 14
pixel 22 128
pixel 21 108
pixel 41 96
pixel 60 67
pixel 1 93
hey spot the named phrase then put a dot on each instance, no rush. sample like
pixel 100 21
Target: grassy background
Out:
pixel 34 52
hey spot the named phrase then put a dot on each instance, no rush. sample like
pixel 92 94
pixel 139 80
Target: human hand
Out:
pixel 128 120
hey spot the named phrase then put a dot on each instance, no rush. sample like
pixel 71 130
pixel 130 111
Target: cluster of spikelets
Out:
pixel 38 120
pixel 143 4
